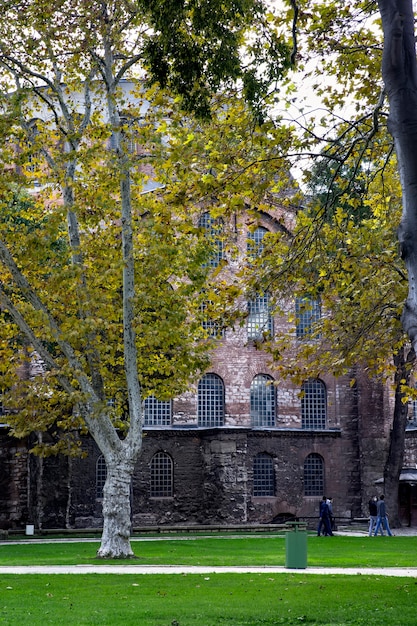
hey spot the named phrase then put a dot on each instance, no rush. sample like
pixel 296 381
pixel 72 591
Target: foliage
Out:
pixel 105 274
pixel 172 274
pixel 196 48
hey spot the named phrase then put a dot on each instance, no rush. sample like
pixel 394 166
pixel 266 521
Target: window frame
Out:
pixel 314 405
pixel 314 475
pixel 264 476
pixel 101 476
pixel 254 241
pixel 213 228
pixel 307 315
pixel 263 392
pixel 260 321
pixel 210 401
pixel 162 409
pixel 161 478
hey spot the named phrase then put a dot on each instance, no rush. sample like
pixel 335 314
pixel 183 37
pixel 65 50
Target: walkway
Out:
pixel 184 569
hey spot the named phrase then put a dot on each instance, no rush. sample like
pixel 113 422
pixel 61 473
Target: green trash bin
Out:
pixel 296 546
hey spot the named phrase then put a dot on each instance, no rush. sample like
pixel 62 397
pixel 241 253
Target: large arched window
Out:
pixel 157 412
pixel 210 401
pixel 307 314
pixel 314 475
pixel 259 317
pixel 263 475
pixel 262 401
pixel 161 476
pixel 101 475
pixel 213 228
pixel 255 244
pixel 313 405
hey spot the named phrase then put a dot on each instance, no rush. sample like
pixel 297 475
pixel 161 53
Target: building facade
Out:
pixel 240 447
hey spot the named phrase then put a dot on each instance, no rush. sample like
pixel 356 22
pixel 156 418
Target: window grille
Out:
pixel 307 314
pixel 210 401
pixel 259 318
pixel 263 475
pixel 101 475
pixel 157 412
pixel 313 405
pixel 314 475
pixel 262 401
pixel 212 326
pixel 161 476
pixel 255 244
pixel 213 230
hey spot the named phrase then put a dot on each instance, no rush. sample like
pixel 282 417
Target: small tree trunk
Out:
pixel 115 540
pixel 395 456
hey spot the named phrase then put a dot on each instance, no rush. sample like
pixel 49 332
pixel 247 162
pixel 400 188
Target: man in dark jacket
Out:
pixel 382 518
pixel 324 521
pixel 373 514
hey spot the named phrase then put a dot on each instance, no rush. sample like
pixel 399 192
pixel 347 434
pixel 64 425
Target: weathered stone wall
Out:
pixel 213 477
pixel 13 481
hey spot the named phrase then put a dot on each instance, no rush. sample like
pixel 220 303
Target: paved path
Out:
pixel 206 570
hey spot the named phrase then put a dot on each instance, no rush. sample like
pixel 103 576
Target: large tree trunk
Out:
pixel 399 69
pixel 395 456
pixel 115 540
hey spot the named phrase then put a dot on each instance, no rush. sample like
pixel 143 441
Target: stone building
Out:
pixel 241 446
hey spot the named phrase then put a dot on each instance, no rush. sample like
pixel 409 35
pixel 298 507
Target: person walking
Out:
pixel 331 516
pixel 382 518
pixel 324 521
pixel 373 514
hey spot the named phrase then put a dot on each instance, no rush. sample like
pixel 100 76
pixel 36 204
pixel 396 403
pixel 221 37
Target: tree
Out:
pixel 399 68
pixel 342 259
pixel 338 48
pixel 102 279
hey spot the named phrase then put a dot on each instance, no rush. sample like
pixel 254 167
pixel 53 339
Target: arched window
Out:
pixel 101 475
pixel 262 401
pixel 259 317
pixel 210 401
pixel 255 244
pixel 161 476
pixel 314 475
pixel 313 405
pixel 307 314
pixel 157 412
pixel 213 228
pixel 263 475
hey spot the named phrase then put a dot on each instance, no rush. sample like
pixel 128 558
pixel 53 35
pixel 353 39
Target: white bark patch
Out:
pixel 115 540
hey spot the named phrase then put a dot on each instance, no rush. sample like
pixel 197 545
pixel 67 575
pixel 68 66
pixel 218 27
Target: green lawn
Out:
pixel 219 599
pixel 213 599
pixel 252 550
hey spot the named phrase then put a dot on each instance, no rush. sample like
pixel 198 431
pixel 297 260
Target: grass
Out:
pixel 253 550
pixel 214 599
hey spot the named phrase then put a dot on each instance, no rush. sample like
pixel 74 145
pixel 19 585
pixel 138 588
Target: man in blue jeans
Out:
pixel 324 521
pixel 382 517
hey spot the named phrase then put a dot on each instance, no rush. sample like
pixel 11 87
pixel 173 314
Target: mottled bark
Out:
pixel 115 540
pixel 399 69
